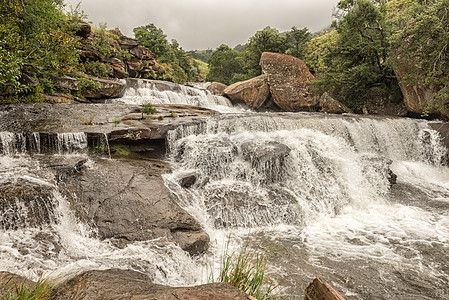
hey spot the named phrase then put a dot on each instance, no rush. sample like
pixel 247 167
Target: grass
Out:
pixel 121 150
pixel 41 290
pixel 246 269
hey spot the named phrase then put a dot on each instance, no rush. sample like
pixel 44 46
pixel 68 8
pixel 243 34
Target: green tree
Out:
pixel 224 65
pixel 359 60
pixel 265 40
pixel 153 38
pixel 296 41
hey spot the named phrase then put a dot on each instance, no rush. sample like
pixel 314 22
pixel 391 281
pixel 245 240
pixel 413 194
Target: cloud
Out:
pixel 204 24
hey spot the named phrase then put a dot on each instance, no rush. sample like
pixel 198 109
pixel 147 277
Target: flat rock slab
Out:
pixel 102 118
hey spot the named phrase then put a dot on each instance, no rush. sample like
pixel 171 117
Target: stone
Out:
pixel 127 201
pixel 142 53
pixel 321 290
pixel 216 88
pixel 417 97
pixel 108 89
pixel 254 92
pixel 289 80
pixel 83 29
pixel 188 180
pixel 331 106
pixel 127 284
pixel 380 103
pixel 9 281
pixel 65 82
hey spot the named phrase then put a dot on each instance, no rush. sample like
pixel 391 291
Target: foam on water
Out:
pixel 161 92
pixel 323 183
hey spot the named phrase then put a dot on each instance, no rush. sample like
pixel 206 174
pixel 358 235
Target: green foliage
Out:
pixel 86 84
pixel 318 48
pixel 202 55
pixel 121 150
pixel 359 59
pixel 35 38
pixel 224 64
pixel 105 42
pixel 97 69
pixel 147 109
pixel 246 270
pixel 41 290
pixel 296 42
pixel 181 66
pixel 10 71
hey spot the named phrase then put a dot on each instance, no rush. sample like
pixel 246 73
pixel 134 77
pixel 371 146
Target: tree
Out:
pixel 359 61
pixel 224 64
pixel 265 40
pixel 296 41
pixel 153 38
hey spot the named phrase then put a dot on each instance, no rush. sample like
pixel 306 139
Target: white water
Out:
pixel 66 247
pixel 163 92
pixel 328 195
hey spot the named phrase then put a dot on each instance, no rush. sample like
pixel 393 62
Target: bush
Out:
pixel 98 69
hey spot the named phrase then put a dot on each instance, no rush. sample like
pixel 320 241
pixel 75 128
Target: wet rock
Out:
pixel 217 88
pixel 321 290
pixel 379 165
pixel 289 80
pixel 331 106
pixel 25 203
pixel 127 284
pixel 253 92
pixel 128 201
pixel 9 281
pixel 188 180
pixel 267 158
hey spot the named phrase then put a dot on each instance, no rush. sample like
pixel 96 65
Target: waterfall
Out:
pixel 20 143
pixel 141 91
pixel 323 186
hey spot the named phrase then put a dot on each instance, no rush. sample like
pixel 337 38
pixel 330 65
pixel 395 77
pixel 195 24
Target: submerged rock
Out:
pixel 127 284
pixel 289 80
pixel 253 92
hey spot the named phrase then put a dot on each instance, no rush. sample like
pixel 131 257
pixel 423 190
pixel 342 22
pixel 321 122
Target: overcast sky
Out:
pixel 206 24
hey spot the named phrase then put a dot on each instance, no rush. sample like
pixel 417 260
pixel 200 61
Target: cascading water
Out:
pixel 141 91
pixel 321 186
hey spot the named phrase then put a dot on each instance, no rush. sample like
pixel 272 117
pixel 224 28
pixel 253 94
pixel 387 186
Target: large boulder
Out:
pixel 254 92
pixel 217 88
pixel 128 201
pixel 127 284
pixel 290 81
pixel 108 89
pixel 321 290
pixel 331 106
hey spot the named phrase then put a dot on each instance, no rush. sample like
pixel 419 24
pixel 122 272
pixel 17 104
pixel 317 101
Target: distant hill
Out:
pixel 202 55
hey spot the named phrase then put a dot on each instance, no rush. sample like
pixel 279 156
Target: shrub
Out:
pixel 98 69
pixel 39 291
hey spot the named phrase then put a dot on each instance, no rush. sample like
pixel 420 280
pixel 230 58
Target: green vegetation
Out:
pixel 121 150
pixel 228 65
pixel 35 39
pixel 147 109
pixel 202 55
pixel 178 63
pixel 41 290
pixel 117 121
pixel 246 270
